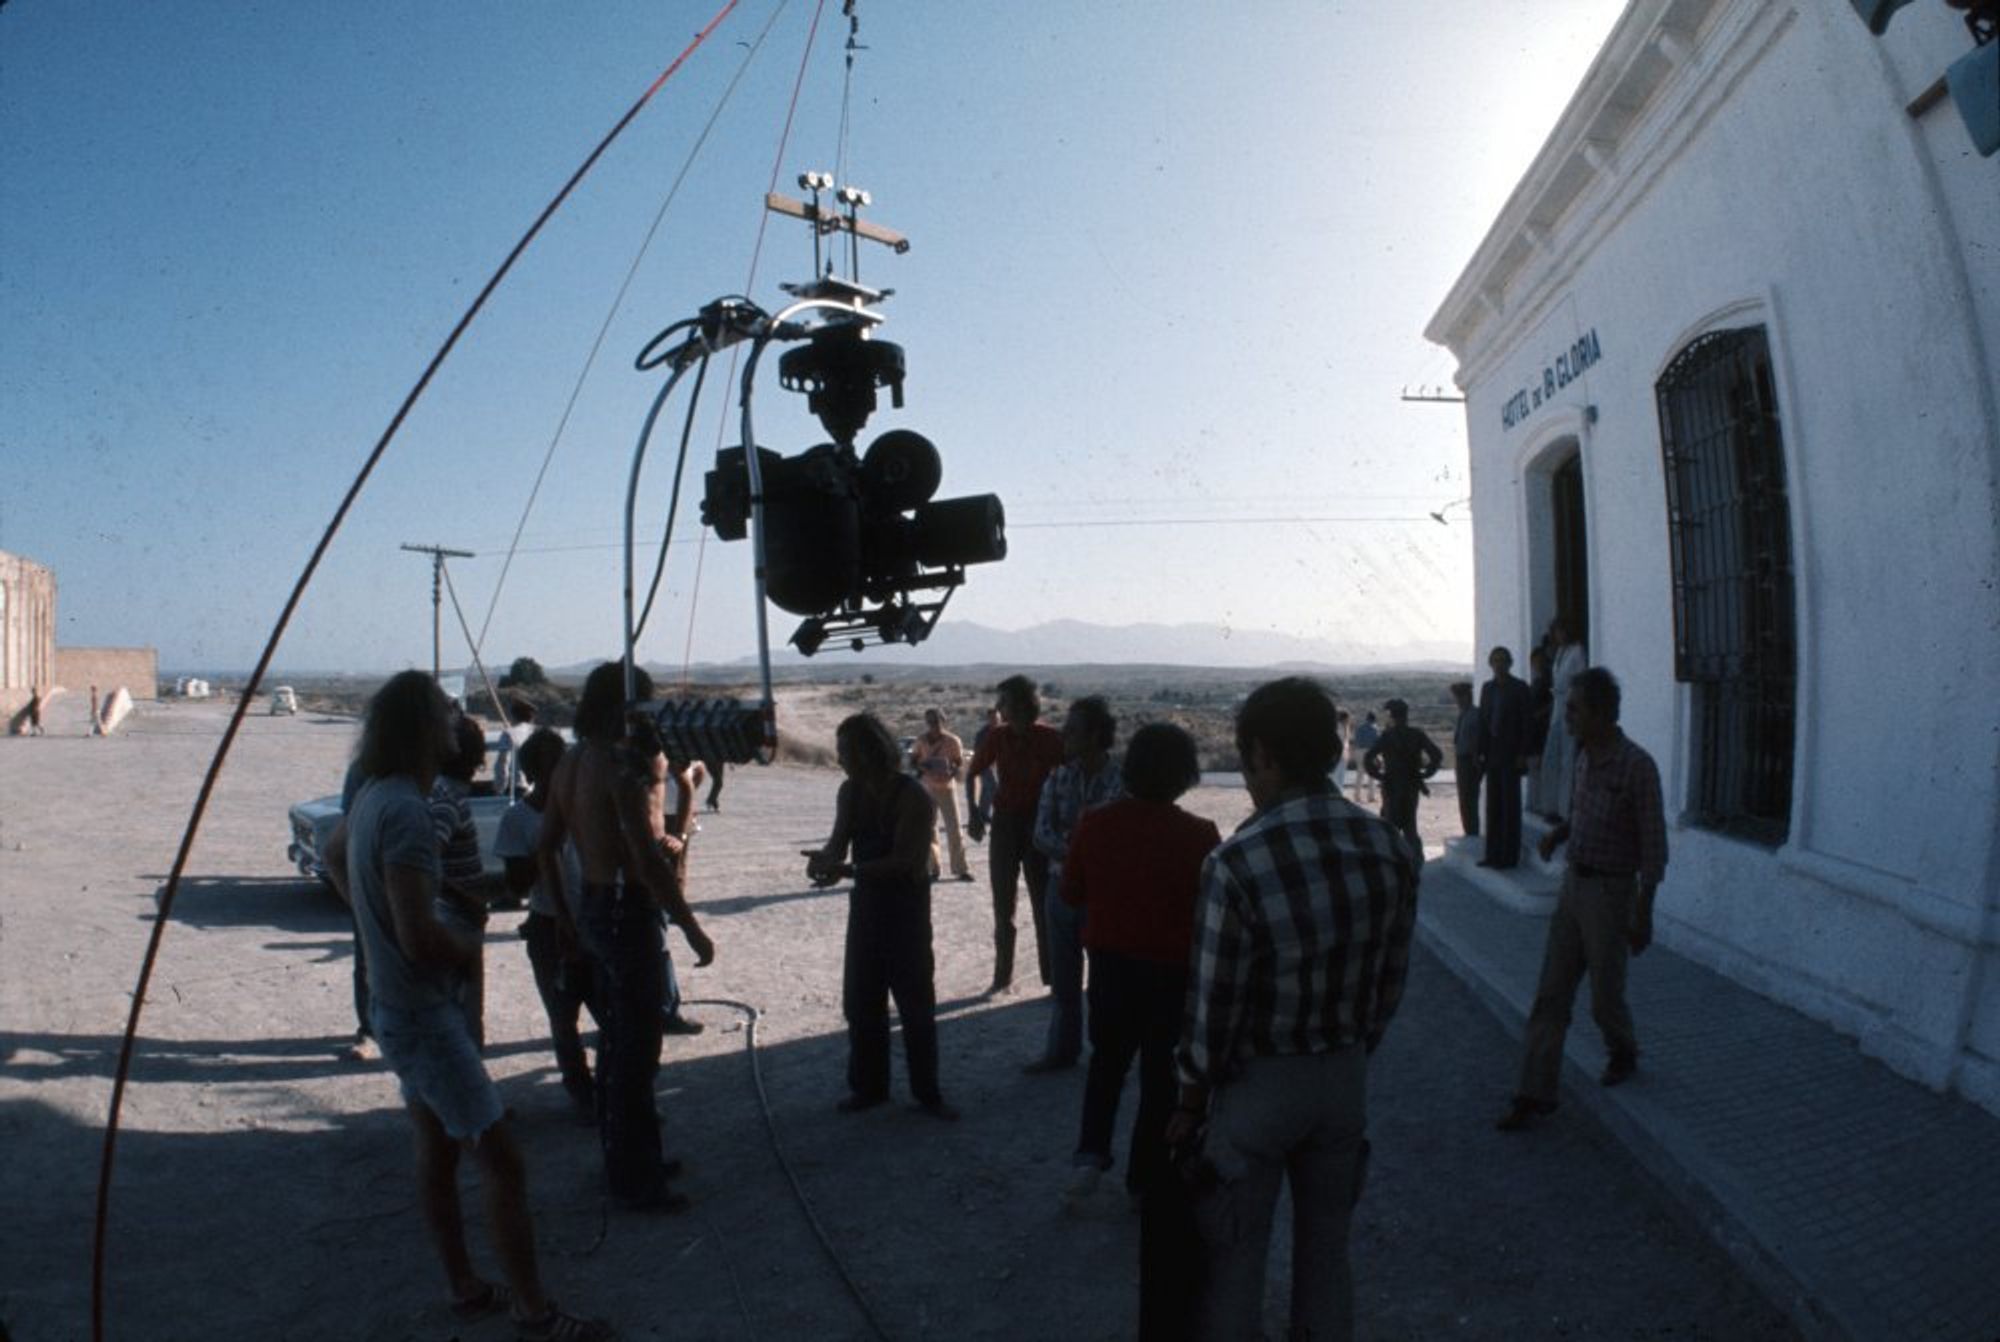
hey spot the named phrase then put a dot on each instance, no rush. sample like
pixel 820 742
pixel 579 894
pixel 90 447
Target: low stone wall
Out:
pixel 137 669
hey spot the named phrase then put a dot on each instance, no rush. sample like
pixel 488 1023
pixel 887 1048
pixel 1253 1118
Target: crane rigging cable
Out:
pixel 847 90
pixel 500 709
pixel 611 312
pixel 750 287
pixel 695 353
pixel 171 889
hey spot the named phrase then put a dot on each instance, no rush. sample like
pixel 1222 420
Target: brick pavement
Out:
pixel 1866 1205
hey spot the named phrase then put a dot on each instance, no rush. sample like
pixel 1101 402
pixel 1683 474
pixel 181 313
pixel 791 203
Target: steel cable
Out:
pixel 618 301
pixel 123 1072
pixel 750 286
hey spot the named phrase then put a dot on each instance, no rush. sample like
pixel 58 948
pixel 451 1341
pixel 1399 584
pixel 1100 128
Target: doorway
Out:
pixel 1558 542
pixel 1571 548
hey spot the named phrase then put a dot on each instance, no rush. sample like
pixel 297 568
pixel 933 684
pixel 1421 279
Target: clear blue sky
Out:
pixel 1171 261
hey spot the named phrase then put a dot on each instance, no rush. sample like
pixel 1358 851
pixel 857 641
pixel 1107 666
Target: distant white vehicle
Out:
pixel 284 699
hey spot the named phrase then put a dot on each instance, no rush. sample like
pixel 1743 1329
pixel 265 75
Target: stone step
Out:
pixel 1529 888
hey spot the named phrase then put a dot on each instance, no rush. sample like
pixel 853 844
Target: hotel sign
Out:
pixel 1559 372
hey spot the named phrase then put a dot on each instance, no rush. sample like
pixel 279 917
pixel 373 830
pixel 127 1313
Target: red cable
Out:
pixel 172 888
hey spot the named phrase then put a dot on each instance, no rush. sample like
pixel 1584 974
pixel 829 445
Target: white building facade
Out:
pixel 1731 356
pixel 27 631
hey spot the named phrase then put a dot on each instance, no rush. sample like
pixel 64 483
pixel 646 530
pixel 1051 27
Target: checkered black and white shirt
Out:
pixel 1302 936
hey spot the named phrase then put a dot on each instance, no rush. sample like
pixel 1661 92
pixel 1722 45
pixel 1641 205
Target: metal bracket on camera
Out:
pixel 904 620
pixel 826 219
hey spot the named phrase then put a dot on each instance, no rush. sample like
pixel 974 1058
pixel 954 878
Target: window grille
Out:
pixel 1735 630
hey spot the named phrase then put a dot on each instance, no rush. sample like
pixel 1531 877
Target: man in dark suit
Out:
pixel 1505 709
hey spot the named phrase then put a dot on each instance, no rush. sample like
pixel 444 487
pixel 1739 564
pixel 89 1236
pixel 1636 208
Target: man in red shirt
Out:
pixel 1025 753
pixel 1134 869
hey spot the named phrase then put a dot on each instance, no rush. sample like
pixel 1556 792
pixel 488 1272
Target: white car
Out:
pixel 284 699
pixel 313 824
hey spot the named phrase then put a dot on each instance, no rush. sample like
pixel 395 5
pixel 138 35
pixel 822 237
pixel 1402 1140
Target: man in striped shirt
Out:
pixel 1617 836
pixel 1301 947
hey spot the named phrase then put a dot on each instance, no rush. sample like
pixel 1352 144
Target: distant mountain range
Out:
pixel 1075 642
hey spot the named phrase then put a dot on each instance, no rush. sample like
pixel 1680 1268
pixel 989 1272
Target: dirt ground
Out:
pixel 262 1186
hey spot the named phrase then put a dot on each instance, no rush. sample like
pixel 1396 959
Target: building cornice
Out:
pixel 1664 65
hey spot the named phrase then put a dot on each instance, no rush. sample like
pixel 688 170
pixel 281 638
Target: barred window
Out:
pixel 1735 632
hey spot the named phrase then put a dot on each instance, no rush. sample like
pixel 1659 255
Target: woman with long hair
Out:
pixel 883 817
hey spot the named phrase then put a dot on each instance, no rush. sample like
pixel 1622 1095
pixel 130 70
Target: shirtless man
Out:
pixel 607 800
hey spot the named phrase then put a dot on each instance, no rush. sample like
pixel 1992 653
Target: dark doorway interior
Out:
pixel 1572 564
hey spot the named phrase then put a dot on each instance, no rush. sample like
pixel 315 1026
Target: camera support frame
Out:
pixel 834 303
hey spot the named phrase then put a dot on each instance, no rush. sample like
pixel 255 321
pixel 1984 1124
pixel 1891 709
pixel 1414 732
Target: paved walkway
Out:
pixel 1868 1206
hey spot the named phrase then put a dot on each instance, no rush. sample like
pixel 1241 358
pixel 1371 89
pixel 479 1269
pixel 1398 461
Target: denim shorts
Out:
pixel 437 1062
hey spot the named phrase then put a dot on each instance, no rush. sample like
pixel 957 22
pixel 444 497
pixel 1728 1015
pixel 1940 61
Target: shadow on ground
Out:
pixel 283 903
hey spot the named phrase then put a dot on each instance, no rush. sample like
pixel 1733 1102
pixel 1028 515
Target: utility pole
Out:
pixel 438 555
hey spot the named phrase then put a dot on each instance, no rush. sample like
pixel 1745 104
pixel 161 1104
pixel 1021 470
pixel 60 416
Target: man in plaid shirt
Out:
pixel 1301 948
pixel 1617 836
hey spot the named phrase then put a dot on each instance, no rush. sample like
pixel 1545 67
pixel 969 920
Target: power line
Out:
pixel 611 312
pixel 1064 525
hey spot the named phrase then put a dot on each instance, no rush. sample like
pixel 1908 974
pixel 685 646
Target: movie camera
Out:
pixel 854 541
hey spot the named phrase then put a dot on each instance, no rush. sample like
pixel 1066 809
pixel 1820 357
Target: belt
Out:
pixel 1591 873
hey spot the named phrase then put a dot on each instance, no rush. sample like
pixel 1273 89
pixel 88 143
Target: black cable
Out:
pixel 651 355
pixel 122 1074
pixel 784 1162
pixel 673 501
pixel 618 301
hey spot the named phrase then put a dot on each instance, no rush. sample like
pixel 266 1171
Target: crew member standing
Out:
pixel 881 819
pixel 388 866
pixel 1400 760
pixel 1024 752
pixel 1301 950
pixel 1504 711
pixel 939 757
pixel 1088 779
pixel 607 798
pixel 979 787
pixel 1465 757
pixel 1617 836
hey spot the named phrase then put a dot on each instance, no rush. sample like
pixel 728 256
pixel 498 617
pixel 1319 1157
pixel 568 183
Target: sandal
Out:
pixel 488 1300
pixel 556 1326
